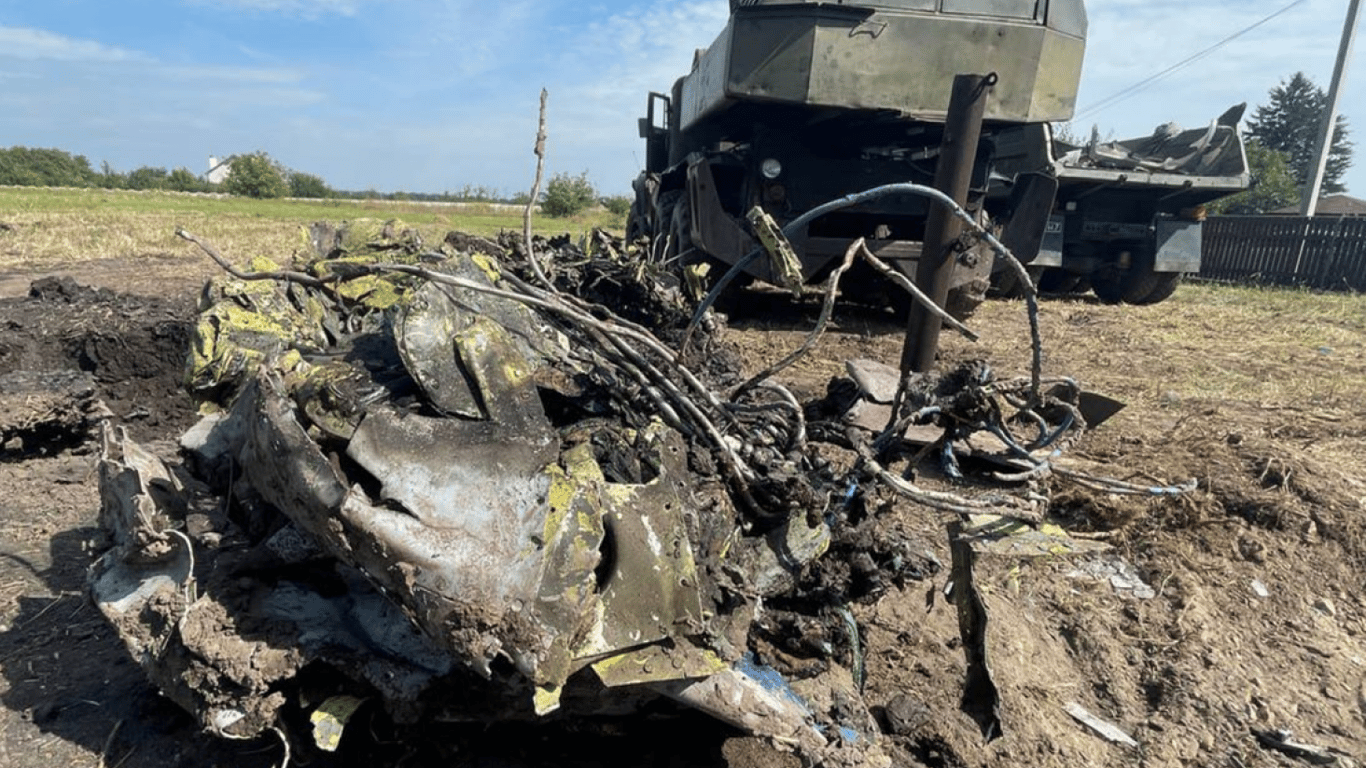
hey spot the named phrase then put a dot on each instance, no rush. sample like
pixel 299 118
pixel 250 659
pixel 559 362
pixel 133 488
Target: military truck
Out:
pixel 1127 217
pixel 796 104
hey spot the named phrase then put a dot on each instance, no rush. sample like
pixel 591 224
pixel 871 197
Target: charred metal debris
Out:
pixel 472 490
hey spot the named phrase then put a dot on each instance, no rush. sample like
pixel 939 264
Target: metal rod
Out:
pixel 958 154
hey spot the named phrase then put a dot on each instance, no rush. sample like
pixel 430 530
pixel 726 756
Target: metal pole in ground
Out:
pixel 957 155
pixel 1310 199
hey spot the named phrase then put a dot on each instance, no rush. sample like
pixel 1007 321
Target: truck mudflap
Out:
pixel 1178 246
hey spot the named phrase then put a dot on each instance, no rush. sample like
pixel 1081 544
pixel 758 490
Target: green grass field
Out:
pixel 66 226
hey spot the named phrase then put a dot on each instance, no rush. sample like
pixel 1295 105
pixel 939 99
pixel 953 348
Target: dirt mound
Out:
pixel 131 348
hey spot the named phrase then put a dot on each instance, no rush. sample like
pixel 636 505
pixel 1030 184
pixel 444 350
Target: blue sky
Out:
pixel 432 95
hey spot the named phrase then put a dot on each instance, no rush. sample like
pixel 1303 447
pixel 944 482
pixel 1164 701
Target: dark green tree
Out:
pixel 25 167
pixel 567 195
pixel 255 175
pixel 183 180
pixel 108 178
pixel 1291 121
pixel 1273 184
pixel 147 178
pixel 618 205
pixel 308 185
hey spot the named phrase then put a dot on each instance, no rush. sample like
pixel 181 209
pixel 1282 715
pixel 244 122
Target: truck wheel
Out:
pixel 1108 288
pixel 1006 284
pixel 1142 281
pixel 1054 280
pixel 637 225
pixel 640 221
pixel 1163 289
pixel 1132 285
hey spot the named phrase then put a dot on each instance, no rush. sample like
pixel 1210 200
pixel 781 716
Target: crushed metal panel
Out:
pixel 567 596
pixel 876 380
pixel 774 561
pixel 135 487
pixel 393 547
pixel 146 588
pixel 467 477
pixel 652 592
pixel 365 633
pixel 981 698
pixel 745 702
pixel 242 323
pixel 450 340
pixel 758 700
pixel 1011 537
pixel 424 333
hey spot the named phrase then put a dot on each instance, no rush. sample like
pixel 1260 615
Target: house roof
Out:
pixel 1331 205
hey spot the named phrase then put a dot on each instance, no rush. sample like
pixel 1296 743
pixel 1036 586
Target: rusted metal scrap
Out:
pixel 476 498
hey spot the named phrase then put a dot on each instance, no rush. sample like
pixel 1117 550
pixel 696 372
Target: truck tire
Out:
pixel 1005 284
pixel 640 221
pixel 1141 280
pixel 682 253
pixel 1135 284
pixel 1058 281
pixel 1163 288
pixel 1109 288
pixel 637 224
pixel 658 225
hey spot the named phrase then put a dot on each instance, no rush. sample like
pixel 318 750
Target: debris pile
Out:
pixel 1209 151
pixel 479 482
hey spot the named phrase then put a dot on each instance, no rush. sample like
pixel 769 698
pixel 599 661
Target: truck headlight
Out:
pixel 771 169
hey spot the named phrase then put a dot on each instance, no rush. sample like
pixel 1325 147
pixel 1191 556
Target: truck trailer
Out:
pixel 1127 216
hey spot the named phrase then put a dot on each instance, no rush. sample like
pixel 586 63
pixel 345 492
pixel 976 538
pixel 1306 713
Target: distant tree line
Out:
pixel 251 175
pixel 259 175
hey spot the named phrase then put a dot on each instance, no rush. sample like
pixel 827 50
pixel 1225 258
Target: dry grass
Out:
pixel 1268 347
pixel 1286 365
pixel 55 229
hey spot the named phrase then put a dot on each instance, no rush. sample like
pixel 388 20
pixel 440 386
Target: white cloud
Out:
pixel 466 37
pixel 604 75
pixel 304 8
pixel 216 75
pixel 35 44
pixel 646 49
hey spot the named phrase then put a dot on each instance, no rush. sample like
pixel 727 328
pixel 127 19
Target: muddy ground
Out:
pixel 1255 618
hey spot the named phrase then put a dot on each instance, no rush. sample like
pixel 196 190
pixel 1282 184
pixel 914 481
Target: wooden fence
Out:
pixel 1327 252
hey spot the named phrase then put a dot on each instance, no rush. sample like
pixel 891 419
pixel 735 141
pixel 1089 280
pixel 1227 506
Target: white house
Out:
pixel 218 170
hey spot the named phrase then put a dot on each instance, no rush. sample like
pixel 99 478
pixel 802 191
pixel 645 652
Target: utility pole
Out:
pixel 1310 201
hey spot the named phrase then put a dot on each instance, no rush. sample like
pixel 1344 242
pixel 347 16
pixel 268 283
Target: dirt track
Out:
pixel 1189 672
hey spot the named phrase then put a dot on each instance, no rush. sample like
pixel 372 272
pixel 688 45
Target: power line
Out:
pixel 1115 98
